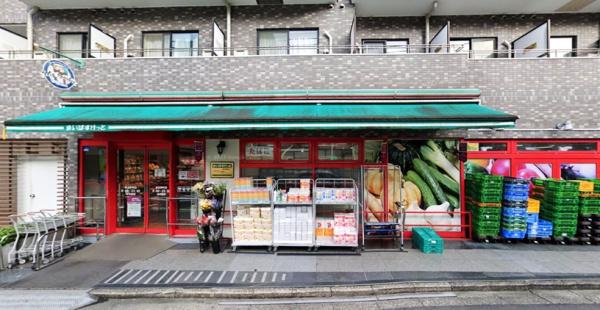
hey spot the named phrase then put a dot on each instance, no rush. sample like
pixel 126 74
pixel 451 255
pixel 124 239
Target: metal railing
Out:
pixel 94 208
pixel 43 53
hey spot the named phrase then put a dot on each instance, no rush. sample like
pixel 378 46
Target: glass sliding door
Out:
pixel 184 44
pixel 158 182
pixel 93 203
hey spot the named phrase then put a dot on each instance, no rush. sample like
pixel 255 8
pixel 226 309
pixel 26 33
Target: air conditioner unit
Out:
pixel 240 52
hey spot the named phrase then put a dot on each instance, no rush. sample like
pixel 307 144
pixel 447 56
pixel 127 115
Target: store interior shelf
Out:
pixel 293 203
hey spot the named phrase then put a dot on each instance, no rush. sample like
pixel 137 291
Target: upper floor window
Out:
pixel 292 41
pixel 73 44
pixel 165 44
pixel 563 46
pixel 477 47
pixel 372 46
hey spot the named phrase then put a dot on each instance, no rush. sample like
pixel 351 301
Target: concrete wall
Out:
pixel 12 12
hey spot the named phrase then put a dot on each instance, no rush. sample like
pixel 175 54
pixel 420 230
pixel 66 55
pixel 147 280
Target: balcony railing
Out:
pixel 42 53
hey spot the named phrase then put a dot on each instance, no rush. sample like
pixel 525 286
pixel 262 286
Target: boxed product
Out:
pixel 265 213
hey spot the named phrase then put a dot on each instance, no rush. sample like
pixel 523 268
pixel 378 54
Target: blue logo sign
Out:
pixel 59 74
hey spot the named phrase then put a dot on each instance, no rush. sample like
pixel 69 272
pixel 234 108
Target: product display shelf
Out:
pixel 247 203
pixel 336 211
pixel 293 213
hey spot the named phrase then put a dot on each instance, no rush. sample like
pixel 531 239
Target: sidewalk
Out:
pixel 152 262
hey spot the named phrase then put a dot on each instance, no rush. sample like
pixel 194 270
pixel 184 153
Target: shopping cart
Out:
pixel 26 236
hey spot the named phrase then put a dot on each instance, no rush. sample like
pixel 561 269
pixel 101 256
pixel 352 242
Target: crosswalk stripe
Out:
pixel 179 277
pixel 244 277
pixel 171 277
pixel 208 277
pixel 234 276
pixel 188 276
pixel 143 276
pixel 123 276
pixel 162 277
pixel 283 277
pixel 132 277
pixel 152 277
pixel 264 277
pixel 114 276
pixel 274 277
pixel 221 277
pixel 253 277
pixel 198 276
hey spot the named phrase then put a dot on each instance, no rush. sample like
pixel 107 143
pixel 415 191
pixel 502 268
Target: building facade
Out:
pixel 306 53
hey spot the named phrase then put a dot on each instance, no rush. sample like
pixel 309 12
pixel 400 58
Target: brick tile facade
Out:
pixel 13 12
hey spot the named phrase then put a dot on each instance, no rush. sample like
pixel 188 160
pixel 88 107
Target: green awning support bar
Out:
pixel 78 62
pixel 88 118
pixel 381 94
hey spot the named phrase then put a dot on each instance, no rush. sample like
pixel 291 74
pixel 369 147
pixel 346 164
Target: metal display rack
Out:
pixel 243 198
pixel 293 213
pixel 337 197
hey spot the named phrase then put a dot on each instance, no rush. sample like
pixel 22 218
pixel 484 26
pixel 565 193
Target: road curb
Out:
pixel 345 290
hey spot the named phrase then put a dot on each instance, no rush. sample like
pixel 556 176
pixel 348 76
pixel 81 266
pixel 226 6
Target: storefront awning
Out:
pixel 277 116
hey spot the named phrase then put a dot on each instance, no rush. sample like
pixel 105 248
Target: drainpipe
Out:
pixel 125 45
pixel 30 12
pixel 508 48
pixel 433 7
pixel 328 36
pixel 228 7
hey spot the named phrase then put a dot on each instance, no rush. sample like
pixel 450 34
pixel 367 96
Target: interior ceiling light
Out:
pixel 269 2
pixel 574 5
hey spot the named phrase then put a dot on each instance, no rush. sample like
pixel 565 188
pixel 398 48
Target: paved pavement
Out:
pixel 535 299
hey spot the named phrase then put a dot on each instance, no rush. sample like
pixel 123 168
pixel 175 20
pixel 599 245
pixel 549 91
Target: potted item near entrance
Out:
pixel 7 237
pixel 210 219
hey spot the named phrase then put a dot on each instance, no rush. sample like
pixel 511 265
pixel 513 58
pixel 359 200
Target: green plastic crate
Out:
pixel 482 233
pixel 561 185
pixel 487 211
pixel 584 202
pixel 589 210
pixel 564 223
pixel 551 216
pixel 486 198
pixel 487 217
pixel 564 232
pixel 426 240
pixel 537 182
pixel 552 194
pixel 562 208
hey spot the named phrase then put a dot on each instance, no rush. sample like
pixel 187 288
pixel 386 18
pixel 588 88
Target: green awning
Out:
pixel 277 115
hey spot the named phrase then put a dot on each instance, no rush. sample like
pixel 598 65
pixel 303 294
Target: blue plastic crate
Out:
pixel 544 223
pixel 514 212
pixel 533 217
pixel 516 188
pixel 516 196
pixel 512 234
pixel 539 235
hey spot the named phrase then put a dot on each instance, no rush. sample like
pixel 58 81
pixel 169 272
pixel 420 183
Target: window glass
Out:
pixel 373 151
pixel 483 47
pixel 338 151
pixel 154 44
pixel 303 42
pixel 374 47
pixel 488 166
pixel 562 47
pixel 94 182
pixel 277 173
pixel 556 146
pixel 396 47
pixel 538 170
pixel 259 151
pixel 272 42
pixel 190 170
pixel 577 171
pixel 295 151
pixel 184 44
pixel 72 44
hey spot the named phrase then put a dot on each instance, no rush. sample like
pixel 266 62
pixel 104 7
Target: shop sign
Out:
pixel 198 150
pixel 84 128
pixel 161 191
pixel 221 169
pixel 59 74
pixel 134 206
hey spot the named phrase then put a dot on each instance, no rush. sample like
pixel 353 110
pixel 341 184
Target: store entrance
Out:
pixel 142 188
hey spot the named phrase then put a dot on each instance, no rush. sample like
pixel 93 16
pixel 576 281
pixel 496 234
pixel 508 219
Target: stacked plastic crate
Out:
pixel 561 206
pixel 514 208
pixel 426 240
pixel 484 197
pixel 589 211
pixel 536 228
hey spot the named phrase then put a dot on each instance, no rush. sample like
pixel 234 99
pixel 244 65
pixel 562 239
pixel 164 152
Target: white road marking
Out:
pixel 114 276
pixel 253 277
pixel 244 277
pixel 208 277
pixel 234 276
pixel 264 277
pixel 172 277
pixel 221 277
pixel 152 277
pixel 132 277
pixel 123 276
pixel 274 277
pixel 198 276
pixel 143 276
pixel 161 277
pixel 188 276
pixel 283 276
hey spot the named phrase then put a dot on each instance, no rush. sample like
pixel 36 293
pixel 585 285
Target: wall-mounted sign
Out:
pixel 534 43
pixel 221 169
pixel 101 44
pixel 441 40
pixel 59 74
pixel 198 150
pixel 84 128
pixel 218 40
